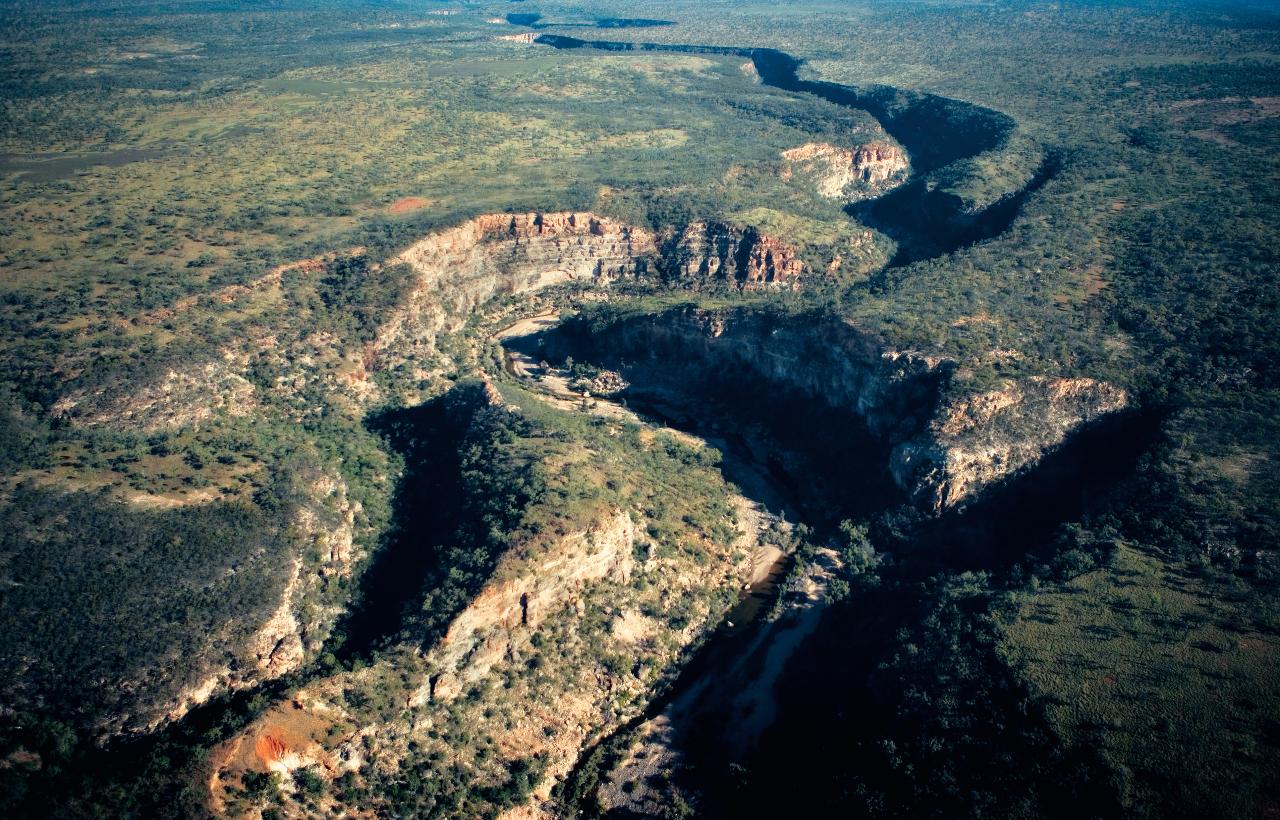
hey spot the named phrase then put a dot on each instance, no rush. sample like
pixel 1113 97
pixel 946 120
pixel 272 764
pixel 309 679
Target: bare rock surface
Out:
pixel 848 173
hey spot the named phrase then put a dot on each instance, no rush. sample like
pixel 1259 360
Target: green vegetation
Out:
pixel 531 482
pixel 1138 649
pixel 107 595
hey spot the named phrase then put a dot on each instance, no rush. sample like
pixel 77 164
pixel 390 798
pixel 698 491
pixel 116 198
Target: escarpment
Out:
pixel 848 173
pixel 325 526
pixel 944 446
pixel 487 630
pixel 454 272
pixel 578 625
pixel 978 440
pixel 743 258
pixel 459 269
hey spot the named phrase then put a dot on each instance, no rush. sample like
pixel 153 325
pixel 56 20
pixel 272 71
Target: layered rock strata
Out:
pixel 848 173
pixel 455 270
pixel 461 268
pixel 742 258
pixel 553 652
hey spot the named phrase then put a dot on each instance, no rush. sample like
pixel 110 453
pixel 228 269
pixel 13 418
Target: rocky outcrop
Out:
pixel 461 268
pixel 848 173
pixel 481 635
pixel 325 526
pixel 944 447
pixel 977 440
pixel 743 258
pixel 537 659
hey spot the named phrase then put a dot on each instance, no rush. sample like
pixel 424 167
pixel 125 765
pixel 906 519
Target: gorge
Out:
pixel 800 408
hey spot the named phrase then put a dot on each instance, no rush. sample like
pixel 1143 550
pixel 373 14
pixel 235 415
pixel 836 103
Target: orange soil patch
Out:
pixel 982 317
pixel 269 748
pixel 1093 283
pixel 284 729
pixel 409 203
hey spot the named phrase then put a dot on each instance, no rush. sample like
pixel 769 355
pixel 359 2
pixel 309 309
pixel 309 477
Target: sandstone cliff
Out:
pixel 595 600
pixel 744 258
pixel 483 633
pixel 325 527
pixel 461 268
pixel 455 272
pixel 553 652
pixel 974 441
pixel 848 173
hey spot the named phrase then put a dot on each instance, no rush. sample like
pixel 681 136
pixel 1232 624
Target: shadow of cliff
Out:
pixel 915 119
pixel 791 451
pixel 828 466
pixel 1015 521
pixel 929 223
pixel 864 680
pixel 427 512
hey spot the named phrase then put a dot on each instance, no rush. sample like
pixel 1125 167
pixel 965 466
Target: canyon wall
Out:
pixel 977 440
pixel 848 173
pixel 566 641
pixel 455 272
pixel 324 526
pixel 461 268
pixel 484 632
pixel 743 258
pixel 946 446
